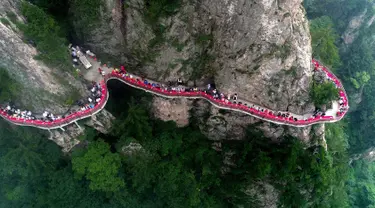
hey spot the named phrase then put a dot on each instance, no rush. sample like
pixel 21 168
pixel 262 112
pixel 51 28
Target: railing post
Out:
pixel 78 125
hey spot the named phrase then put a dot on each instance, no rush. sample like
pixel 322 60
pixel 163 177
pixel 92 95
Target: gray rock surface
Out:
pixel 43 88
pixel 69 138
pixel 175 110
pixel 101 121
pixel 260 49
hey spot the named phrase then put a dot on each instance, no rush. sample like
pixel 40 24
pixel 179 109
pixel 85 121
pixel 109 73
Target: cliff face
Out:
pixel 259 49
pixel 363 19
pixel 42 88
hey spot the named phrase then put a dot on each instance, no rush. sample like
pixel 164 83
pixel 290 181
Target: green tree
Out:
pixel 136 123
pixel 323 38
pixel 44 31
pixel 100 167
pixel 360 79
pixel 324 93
pixel 9 87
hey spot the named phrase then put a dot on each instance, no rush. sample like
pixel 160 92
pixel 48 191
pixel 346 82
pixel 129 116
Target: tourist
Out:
pixel 179 81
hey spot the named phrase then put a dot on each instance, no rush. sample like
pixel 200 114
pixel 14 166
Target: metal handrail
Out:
pixel 172 94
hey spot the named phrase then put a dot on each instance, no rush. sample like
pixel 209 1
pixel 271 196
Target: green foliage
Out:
pixel 340 11
pixel 86 14
pixel 323 41
pixel 100 167
pixel 136 124
pixel 12 16
pixel 202 59
pixel 204 39
pixel 324 93
pixel 361 78
pixel 46 34
pixel 5 21
pixel 153 11
pixel 361 186
pixel 179 46
pixel 303 176
pixel 156 9
pixel 9 87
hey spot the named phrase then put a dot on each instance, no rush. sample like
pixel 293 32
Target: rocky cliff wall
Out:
pixel 259 49
pixel 42 88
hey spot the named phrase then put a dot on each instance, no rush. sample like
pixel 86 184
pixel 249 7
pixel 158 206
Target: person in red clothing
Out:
pixel 101 71
pixel 123 69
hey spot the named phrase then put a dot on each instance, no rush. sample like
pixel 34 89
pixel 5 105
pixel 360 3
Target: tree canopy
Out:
pixel 9 87
pixel 100 166
pixel 324 93
pixel 323 37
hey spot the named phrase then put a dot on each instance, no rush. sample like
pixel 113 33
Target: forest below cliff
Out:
pixel 145 162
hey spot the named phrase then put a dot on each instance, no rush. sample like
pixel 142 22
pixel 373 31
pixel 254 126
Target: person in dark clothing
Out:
pixel 179 81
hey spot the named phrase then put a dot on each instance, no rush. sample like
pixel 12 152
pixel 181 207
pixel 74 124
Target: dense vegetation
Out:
pixel 44 32
pixel 324 93
pixel 145 162
pixel 355 65
pixel 150 163
pixel 8 86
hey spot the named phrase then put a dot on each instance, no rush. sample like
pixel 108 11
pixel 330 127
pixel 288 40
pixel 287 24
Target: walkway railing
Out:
pixel 266 114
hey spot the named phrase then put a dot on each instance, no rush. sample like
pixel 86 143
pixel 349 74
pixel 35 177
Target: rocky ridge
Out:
pixel 42 88
pixel 260 49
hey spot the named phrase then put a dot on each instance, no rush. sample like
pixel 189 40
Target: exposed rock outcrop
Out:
pixel 361 20
pixel 69 137
pixel 66 139
pixel 102 121
pixel 267 195
pixel 260 49
pixel 176 110
pixel 43 88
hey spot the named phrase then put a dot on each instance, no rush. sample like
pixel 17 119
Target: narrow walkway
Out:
pixel 339 108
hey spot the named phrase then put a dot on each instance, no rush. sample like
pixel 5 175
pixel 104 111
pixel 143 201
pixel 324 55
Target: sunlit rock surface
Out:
pixel 43 88
pixel 260 49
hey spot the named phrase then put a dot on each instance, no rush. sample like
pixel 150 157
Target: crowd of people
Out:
pixel 12 111
pixel 232 100
pixel 178 89
pixel 343 100
pixel 96 97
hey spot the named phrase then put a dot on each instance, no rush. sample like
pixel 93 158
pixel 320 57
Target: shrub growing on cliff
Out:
pixel 323 37
pixel 46 34
pixel 86 14
pixel 160 8
pixel 324 93
pixel 8 86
